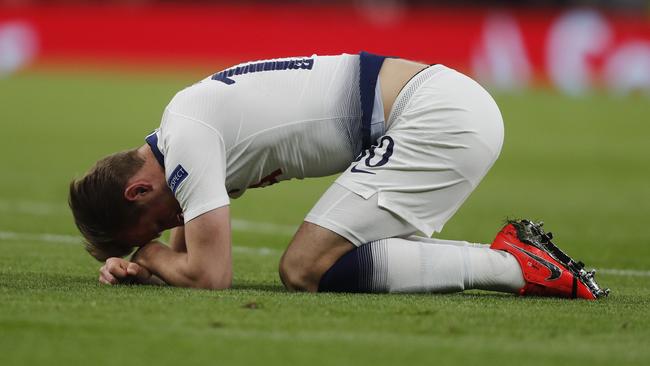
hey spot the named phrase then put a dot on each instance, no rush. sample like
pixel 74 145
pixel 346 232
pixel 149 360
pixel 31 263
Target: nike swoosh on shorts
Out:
pixel 355 170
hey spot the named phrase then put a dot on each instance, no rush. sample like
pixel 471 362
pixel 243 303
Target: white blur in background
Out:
pixel 18 46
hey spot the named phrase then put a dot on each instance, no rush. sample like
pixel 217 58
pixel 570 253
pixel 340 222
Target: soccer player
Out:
pixel 412 142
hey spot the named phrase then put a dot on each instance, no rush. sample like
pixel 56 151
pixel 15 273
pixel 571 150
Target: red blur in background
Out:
pixel 575 50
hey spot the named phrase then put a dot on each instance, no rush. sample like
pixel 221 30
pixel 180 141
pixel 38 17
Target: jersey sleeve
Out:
pixel 195 164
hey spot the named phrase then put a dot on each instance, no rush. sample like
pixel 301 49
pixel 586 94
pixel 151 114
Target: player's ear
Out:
pixel 137 190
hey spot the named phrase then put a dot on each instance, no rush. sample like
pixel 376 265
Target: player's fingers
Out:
pixel 106 278
pixel 137 271
pixel 116 267
pixel 104 281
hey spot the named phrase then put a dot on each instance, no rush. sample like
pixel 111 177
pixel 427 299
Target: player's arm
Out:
pixel 177 239
pixel 118 270
pixel 199 253
pixel 206 263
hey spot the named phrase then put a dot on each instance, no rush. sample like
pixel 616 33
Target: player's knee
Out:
pixel 311 253
pixel 296 273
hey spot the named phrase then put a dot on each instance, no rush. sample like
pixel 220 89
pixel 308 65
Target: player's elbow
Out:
pixel 214 284
pixel 207 275
pixel 217 283
pixel 212 281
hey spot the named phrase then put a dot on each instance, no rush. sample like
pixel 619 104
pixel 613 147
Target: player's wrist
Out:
pixel 143 255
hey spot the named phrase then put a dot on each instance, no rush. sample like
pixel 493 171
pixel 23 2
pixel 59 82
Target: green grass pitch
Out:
pixel 580 164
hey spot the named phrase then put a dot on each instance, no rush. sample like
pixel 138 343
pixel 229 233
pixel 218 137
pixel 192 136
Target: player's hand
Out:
pixel 117 270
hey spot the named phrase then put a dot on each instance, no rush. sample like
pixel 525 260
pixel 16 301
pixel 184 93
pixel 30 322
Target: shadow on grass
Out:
pixel 260 287
pixel 20 282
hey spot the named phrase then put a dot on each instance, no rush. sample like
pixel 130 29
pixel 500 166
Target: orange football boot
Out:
pixel 546 269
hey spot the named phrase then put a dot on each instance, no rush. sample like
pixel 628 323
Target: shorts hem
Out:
pixel 422 227
pixel 335 227
pixel 366 193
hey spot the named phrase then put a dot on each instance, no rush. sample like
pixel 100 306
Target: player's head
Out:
pixel 121 203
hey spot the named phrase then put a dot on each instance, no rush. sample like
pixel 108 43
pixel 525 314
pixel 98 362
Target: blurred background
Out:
pixel 573 46
pixel 82 79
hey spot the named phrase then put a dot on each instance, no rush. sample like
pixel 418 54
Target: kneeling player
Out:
pixel 413 141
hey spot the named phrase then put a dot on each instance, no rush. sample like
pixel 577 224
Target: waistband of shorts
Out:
pixel 369 66
pixel 404 96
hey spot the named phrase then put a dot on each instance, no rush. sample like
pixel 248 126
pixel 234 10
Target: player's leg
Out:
pixel 443 140
pixel 312 251
pixel 320 259
pixel 403 265
pixel 337 216
pixel 317 246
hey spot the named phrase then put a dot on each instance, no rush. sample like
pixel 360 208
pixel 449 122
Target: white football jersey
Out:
pixel 261 122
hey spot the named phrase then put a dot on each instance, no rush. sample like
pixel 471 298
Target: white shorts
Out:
pixel 445 132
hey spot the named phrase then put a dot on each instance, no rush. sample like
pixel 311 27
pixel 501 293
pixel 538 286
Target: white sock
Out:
pixel 419 264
